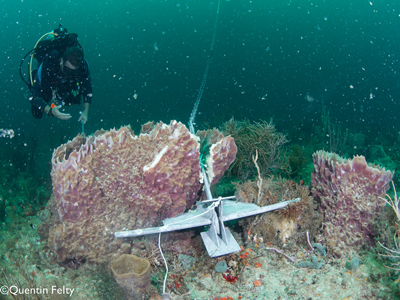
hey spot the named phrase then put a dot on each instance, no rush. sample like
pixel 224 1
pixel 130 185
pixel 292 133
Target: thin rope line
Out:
pixel 204 81
pixel 191 128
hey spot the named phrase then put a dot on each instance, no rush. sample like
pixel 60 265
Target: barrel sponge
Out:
pixel 222 153
pixel 348 191
pixel 133 275
pixel 116 180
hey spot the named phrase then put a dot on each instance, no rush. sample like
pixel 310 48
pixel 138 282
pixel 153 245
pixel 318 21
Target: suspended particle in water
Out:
pixel 371 95
pixel 310 98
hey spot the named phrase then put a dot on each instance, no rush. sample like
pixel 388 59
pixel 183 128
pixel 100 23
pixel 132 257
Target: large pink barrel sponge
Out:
pixel 348 191
pixel 117 181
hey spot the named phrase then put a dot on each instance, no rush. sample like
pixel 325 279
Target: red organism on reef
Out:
pixel 228 276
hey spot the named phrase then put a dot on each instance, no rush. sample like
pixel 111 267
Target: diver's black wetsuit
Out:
pixel 67 88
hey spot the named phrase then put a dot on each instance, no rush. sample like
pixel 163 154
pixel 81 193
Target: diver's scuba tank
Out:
pixel 58 39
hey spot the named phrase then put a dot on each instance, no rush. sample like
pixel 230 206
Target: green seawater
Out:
pixel 325 72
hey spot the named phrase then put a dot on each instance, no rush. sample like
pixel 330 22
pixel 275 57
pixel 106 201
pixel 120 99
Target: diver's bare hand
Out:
pixel 56 112
pixel 84 117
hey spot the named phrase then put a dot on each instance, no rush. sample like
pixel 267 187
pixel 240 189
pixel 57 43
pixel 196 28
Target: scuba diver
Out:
pixel 63 76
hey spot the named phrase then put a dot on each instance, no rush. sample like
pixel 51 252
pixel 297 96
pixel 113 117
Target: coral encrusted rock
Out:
pixel 348 192
pixel 114 181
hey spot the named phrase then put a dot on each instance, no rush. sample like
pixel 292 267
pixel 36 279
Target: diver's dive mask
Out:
pixel 69 70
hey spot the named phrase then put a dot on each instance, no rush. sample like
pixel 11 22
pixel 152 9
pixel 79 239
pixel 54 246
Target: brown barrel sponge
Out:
pixel 133 274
